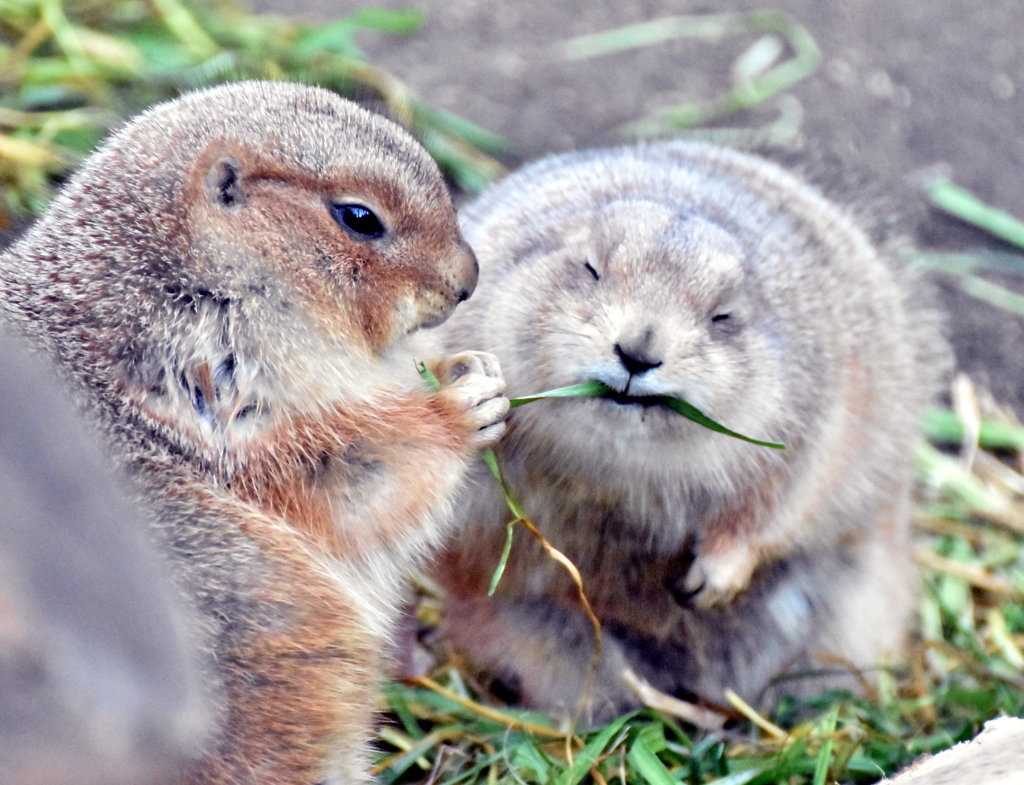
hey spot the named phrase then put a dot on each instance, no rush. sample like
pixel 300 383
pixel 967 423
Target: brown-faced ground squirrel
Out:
pixel 228 284
pixel 679 269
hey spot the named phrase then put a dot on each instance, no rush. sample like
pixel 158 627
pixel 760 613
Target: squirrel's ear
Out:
pixel 224 182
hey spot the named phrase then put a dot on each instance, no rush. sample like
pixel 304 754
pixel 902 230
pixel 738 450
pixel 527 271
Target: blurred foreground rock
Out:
pixel 994 757
pixel 98 682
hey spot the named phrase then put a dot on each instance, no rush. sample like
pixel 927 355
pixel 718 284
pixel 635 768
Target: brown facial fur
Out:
pixel 685 270
pixel 421 256
pixel 242 352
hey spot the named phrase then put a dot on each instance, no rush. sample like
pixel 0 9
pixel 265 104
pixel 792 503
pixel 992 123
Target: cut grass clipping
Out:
pixel 967 266
pixel 782 53
pixel 960 202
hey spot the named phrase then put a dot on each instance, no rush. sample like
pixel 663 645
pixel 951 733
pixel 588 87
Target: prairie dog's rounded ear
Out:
pixel 224 182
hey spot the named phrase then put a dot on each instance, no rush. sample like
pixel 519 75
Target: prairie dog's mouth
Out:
pixel 602 391
pixel 625 399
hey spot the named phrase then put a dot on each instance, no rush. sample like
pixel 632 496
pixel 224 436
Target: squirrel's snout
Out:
pixel 468 274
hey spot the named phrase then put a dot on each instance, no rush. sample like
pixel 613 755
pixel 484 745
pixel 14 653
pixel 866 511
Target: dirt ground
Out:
pixel 902 87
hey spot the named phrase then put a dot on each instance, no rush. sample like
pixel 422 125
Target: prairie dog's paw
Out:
pixel 472 383
pixel 716 577
pixel 450 368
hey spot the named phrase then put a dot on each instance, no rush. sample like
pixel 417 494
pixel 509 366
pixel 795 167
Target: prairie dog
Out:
pixel 228 283
pixel 685 270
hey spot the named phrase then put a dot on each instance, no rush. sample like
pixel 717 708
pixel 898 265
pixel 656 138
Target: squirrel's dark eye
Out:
pixel 360 221
pixel 592 271
pixel 719 317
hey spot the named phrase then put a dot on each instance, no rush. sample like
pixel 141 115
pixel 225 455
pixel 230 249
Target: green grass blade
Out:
pixel 678 405
pixel 527 759
pixel 954 480
pixel 942 426
pixel 398 701
pixel 753 83
pixel 428 376
pixel 503 561
pixel 966 206
pixel 645 34
pixel 491 460
pixel 588 756
pixel 647 764
pixel 693 413
pixel 475 134
pixel 968 262
pixel 397 21
pixel 825 754
pixel 186 28
pixel 487 455
pixel 993 294
pixel 492 463
pixel 583 390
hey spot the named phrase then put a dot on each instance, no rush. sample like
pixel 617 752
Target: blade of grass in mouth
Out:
pixel 596 389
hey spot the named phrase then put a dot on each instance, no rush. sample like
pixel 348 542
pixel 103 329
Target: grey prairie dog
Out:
pixel 680 269
pixel 228 284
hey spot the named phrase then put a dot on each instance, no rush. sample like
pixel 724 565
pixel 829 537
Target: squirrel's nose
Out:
pixel 636 359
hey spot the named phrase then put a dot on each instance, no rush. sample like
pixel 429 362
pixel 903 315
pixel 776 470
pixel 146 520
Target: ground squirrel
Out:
pixel 228 283
pixel 685 270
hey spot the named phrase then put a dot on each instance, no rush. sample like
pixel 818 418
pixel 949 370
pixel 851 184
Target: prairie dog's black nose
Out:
pixel 636 359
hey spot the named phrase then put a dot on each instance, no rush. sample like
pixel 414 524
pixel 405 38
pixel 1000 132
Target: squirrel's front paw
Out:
pixel 716 577
pixel 472 383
